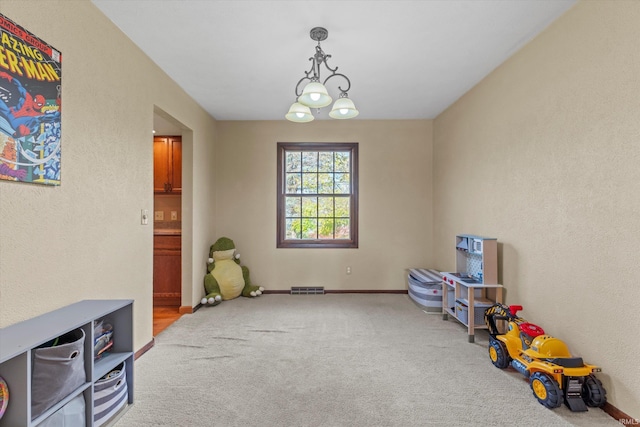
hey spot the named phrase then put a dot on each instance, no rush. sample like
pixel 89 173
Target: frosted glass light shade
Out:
pixel 299 113
pixel 343 108
pixel 315 95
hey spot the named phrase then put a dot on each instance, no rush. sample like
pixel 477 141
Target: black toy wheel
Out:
pixel 593 393
pixel 498 354
pixel 546 390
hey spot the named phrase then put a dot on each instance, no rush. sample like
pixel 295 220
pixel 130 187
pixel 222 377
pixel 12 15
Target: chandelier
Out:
pixel 315 94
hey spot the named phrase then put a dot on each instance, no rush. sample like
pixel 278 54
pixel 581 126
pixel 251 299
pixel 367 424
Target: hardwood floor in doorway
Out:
pixel 163 317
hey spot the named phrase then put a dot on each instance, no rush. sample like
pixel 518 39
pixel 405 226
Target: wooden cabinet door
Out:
pixel 160 164
pixel 167 271
pixel 175 171
pixel 167 164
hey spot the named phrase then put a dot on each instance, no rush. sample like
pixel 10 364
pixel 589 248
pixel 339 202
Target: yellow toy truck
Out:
pixel 554 374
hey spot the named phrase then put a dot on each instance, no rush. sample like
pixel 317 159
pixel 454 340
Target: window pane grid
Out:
pixel 318 217
pixel 317 198
pixel 314 180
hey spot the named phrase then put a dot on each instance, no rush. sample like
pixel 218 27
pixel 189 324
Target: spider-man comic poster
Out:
pixel 30 106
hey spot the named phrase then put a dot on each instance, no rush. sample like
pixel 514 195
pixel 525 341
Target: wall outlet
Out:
pixel 348 270
pixel 159 216
pixel 174 215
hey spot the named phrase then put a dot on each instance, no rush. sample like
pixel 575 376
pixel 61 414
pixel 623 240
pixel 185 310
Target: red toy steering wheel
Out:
pixel 531 329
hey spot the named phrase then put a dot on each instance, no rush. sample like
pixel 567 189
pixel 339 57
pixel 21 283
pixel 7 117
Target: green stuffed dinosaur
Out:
pixel 226 279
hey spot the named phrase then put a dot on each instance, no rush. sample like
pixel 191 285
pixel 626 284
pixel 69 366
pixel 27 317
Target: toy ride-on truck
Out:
pixel 554 375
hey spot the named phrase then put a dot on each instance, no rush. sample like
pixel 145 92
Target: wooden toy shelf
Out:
pixel 467 292
pixel 473 295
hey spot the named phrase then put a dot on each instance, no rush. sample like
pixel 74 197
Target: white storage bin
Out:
pixel 70 415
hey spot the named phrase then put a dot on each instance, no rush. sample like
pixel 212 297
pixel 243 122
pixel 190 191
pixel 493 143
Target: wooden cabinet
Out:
pixel 474 286
pixel 19 341
pixel 167 164
pixel 167 270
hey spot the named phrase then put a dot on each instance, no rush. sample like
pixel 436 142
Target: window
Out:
pixel 317 195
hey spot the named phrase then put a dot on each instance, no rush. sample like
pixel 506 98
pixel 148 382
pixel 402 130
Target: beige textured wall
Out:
pixel 84 239
pixel 395 224
pixel 543 154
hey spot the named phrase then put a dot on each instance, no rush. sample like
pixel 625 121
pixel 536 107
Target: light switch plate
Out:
pixel 144 216
pixel 159 216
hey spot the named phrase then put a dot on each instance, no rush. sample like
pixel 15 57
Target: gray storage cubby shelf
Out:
pixel 18 341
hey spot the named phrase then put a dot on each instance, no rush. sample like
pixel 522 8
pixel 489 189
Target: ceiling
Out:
pixel 241 60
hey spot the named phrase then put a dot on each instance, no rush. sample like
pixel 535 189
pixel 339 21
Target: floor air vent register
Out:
pixel 307 290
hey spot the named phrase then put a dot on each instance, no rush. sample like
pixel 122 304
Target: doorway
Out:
pixel 167 222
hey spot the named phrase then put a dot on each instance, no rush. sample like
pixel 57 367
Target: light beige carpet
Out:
pixel 330 360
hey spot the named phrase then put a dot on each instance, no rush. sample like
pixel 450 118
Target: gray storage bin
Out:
pixel 58 370
pixel 462 311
